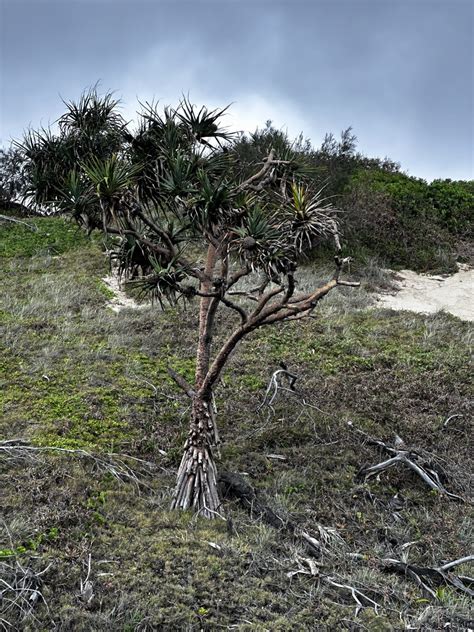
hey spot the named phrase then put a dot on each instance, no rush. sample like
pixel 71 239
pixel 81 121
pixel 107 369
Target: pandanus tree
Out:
pixel 174 181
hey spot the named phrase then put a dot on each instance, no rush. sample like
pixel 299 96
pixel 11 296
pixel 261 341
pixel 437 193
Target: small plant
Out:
pixel 31 545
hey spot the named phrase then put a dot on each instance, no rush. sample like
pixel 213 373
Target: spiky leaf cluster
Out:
pixel 175 180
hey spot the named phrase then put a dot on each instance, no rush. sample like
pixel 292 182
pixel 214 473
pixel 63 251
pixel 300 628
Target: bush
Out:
pixel 375 226
pixel 452 203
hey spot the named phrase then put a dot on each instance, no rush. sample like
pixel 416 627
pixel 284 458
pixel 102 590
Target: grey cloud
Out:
pixel 399 71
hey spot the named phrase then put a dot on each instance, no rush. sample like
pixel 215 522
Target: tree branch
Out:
pixel 260 174
pixel 228 303
pixel 181 382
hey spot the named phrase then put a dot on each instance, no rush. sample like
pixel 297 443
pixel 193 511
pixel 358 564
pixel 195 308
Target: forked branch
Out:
pixel 415 461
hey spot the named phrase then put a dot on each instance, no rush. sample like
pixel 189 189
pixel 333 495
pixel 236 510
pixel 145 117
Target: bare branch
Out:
pixel 429 577
pixel 181 382
pixel 260 174
pixel 411 459
pixel 112 462
pixel 7 218
pixel 228 303
pixel 274 386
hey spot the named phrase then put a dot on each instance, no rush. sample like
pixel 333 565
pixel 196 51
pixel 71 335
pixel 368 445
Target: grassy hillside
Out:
pixel 92 384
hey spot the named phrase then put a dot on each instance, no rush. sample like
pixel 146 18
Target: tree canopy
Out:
pixel 191 218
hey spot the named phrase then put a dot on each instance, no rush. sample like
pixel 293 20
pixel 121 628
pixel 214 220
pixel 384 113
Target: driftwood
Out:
pixel 399 454
pixel 431 577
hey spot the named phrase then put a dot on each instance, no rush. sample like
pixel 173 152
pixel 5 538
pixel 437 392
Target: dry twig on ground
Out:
pixel 307 566
pixel 274 385
pixel 414 460
pixel 430 577
pixel 20 588
pixel 113 463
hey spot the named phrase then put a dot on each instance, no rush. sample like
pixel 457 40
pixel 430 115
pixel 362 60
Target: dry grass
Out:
pixel 79 376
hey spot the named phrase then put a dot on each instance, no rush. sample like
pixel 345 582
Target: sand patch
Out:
pixel 429 294
pixel 120 300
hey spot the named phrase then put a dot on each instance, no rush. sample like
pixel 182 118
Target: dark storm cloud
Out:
pixel 400 72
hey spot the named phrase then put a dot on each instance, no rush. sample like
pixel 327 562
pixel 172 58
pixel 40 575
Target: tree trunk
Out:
pixel 196 486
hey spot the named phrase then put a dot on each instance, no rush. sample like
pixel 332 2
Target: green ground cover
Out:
pixel 78 376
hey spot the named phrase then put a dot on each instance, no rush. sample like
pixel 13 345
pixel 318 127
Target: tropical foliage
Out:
pixel 12 179
pixel 190 218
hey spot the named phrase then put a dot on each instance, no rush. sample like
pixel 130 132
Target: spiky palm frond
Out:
pixel 295 165
pixel 130 258
pixel 76 196
pixel 92 114
pixel 111 177
pixel 160 134
pixel 306 217
pixel 260 243
pixel 203 124
pixel 95 126
pixel 47 158
pixel 177 174
pixel 211 200
pixel 164 283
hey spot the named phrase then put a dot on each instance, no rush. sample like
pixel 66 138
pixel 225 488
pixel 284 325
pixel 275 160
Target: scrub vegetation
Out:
pixel 333 492
pixel 78 376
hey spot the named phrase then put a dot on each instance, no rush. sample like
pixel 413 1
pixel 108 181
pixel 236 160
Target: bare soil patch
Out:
pixel 427 294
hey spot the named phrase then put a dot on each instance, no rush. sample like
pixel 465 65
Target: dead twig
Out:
pixel 446 422
pixel 112 463
pixel 308 566
pixel 428 578
pixel 20 588
pixel 87 588
pixel 7 218
pixel 412 459
pixel 274 386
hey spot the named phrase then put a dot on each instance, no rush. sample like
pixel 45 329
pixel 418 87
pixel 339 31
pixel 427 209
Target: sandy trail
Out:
pixel 429 294
pixel 120 300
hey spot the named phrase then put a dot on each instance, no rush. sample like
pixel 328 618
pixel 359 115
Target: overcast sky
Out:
pixel 399 71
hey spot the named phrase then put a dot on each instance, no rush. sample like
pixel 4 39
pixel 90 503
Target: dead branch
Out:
pixel 261 173
pixel 458 562
pixel 410 458
pixel 428 578
pixel 446 422
pixel 274 386
pixel 86 586
pixel 7 218
pixel 308 566
pixel 181 382
pixel 361 599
